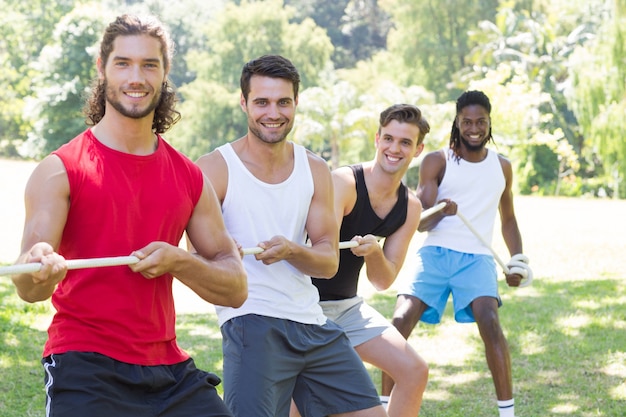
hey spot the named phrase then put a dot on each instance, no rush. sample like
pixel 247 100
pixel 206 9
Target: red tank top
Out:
pixel 119 203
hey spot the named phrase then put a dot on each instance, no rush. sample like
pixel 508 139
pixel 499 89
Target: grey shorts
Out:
pixel 360 321
pixel 94 385
pixel 267 361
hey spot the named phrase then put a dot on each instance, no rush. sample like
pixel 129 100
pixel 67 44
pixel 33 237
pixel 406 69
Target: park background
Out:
pixel 555 71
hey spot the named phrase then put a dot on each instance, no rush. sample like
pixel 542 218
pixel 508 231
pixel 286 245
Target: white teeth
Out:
pixel 136 95
pixel 272 125
pixel 393 159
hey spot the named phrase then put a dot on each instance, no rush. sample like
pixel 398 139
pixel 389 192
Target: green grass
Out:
pixel 567 340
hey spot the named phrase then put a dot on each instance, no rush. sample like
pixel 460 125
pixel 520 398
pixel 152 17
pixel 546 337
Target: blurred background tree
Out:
pixel 554 70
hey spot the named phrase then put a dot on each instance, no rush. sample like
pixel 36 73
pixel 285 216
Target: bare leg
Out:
pixel 485 311
pixel 391 353
pixel 377 411
pixel 407 313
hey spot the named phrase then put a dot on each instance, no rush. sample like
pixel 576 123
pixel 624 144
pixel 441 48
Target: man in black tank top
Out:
pixel 372 202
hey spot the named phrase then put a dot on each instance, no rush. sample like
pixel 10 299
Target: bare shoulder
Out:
pixel 214 168
pixel 504 160
pixel 433 164
pixel 505 163
pixel 210 159
pixel 51 172
pixel 318 165
pixel 343 175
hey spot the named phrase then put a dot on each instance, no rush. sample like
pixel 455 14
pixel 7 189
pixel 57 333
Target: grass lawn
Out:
pixel 567 331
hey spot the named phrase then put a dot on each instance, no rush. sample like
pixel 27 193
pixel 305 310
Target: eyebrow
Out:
pixel 124 58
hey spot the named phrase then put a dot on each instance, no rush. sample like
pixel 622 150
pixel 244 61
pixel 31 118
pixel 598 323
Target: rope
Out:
pixel 30 268
pixel 71 264
pixel 518 263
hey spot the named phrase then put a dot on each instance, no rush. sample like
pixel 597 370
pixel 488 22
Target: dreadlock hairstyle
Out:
pixel 273 66
pixel 468 98
pixel 405 113
pixel 165 116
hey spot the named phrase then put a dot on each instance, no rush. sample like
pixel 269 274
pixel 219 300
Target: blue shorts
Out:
pixel 267 361
pixel 441 271
pixel 94 385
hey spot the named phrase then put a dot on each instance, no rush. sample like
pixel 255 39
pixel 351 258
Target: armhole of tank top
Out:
pixel 446 154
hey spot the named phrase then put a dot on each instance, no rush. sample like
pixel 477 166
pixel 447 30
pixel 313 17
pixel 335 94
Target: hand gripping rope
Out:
pixel 30 268
pixel 518 263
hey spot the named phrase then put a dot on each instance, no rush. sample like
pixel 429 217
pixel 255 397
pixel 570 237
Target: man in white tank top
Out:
pixel 275 195
pixel 452 259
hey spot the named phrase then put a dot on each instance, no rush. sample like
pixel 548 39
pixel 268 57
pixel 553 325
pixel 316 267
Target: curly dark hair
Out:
pixel 165 115
pixel 405 113
pixel 468 98
pixel 273 66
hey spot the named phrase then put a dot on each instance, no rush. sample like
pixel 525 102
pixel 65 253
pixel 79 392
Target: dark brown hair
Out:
pixel 405 113
pixel 128 25
pixel 274 66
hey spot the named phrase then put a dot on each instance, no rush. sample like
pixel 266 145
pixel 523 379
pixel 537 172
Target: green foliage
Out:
pixel 25 28
pixel 239 34
pixel 566 349
pixel 433 36
pixel 66 67
pixel 598 97
pixel 553 68
pixel 357 29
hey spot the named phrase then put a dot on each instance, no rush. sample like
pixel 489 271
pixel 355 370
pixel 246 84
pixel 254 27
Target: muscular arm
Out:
pixel 510 230
pixel 215 271
pixel 431 173
pixel 46 207
pixel 321 259
pixel 384 265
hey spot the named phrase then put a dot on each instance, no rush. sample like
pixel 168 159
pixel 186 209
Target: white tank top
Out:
pixel 476 187
pixel 255 211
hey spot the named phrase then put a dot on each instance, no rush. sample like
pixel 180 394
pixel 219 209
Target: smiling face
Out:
pixel 474 124
pixel 396 146
pixel 271 108
pixel 133 76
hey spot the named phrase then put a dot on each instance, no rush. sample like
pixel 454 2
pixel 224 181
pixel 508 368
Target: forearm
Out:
pixel 380 271
pixel 30 292
pixel 512 237
pixel 320 260
pixel 221 280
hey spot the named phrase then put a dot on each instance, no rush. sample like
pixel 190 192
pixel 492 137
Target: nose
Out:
pixel 136 75
pixel 272 111
pixel 394 146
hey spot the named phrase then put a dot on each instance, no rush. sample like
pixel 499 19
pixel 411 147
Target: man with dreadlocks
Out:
pixel 452 259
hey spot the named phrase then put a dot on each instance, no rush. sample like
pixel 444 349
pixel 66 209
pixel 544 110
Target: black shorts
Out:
pixel 94 385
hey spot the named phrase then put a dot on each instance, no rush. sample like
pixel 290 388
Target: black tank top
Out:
pixel 362 220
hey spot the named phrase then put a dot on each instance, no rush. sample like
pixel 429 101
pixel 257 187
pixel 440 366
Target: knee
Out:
pixel 414 372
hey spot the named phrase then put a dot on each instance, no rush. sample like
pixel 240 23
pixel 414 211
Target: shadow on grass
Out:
pixel 567 340
pixel 568 350
pixel 21 383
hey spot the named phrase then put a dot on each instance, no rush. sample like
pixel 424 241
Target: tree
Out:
pixel 535 46
pixel 598 96
pixel 66 67
pixel 238 34
pixel 431 37
pixel 357 28
pixel 25 27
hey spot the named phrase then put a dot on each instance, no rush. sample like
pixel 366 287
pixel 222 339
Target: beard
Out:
pixel 275 138
pixel 134 112
pixel 474 148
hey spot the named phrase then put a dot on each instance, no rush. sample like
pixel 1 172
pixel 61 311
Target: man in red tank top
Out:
pixel 118 189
